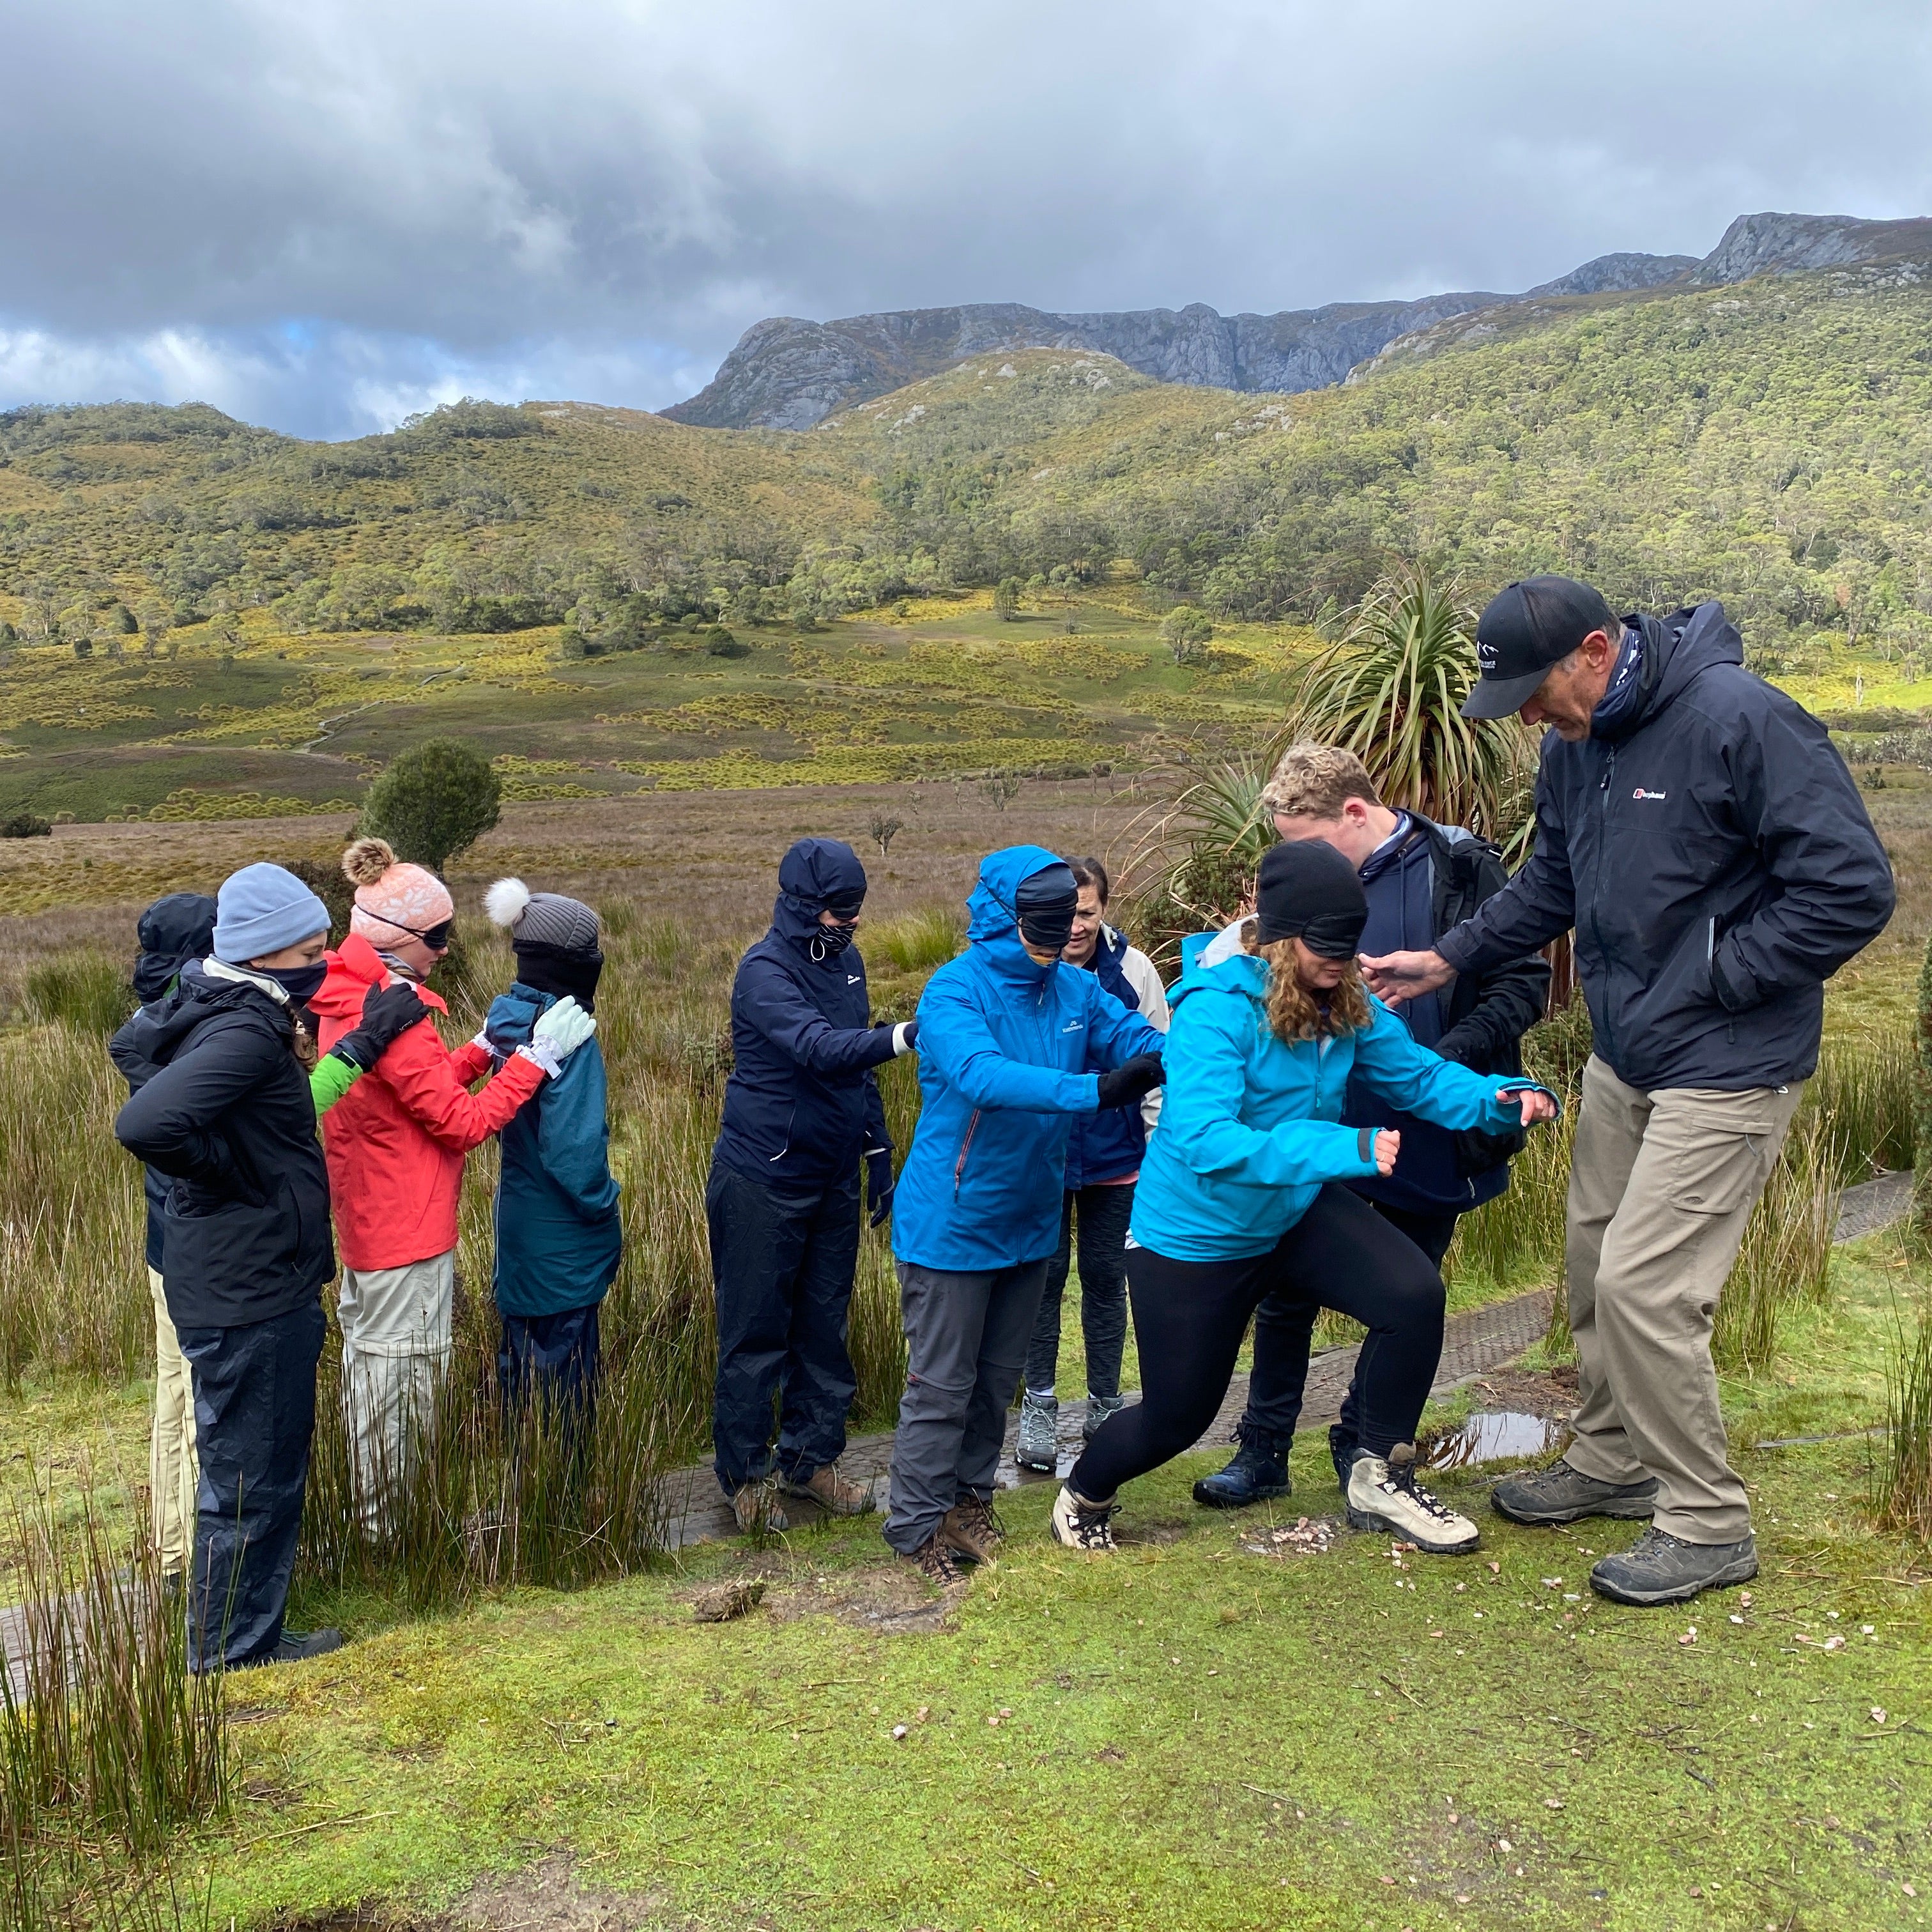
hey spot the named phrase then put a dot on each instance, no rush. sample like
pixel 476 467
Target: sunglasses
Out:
pixel 436 938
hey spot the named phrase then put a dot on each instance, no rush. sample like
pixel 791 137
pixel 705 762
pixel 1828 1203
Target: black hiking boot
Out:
pixel 1561 1494
pixel 297 1645
pixel 1342 1450
pixel 1257 1475
pixel 1661 1568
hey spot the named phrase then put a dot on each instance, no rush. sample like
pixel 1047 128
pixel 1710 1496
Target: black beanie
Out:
pixel 1307 891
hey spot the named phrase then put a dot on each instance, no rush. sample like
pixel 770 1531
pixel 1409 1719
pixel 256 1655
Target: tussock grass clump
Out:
pixel 88 991
pixel 918 943
pixel 1902 1472
pixel 107 1745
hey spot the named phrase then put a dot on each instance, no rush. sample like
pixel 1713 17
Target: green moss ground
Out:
pixel 1198 1736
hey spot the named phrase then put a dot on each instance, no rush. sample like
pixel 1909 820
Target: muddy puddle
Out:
pixel 1497 1435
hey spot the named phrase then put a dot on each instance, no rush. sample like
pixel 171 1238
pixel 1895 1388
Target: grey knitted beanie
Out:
pixel 542 919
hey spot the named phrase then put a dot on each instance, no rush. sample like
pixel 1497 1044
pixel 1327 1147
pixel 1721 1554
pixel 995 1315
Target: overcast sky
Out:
pixel 321 214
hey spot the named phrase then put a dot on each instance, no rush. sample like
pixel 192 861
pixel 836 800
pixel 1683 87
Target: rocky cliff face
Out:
pixel 786 373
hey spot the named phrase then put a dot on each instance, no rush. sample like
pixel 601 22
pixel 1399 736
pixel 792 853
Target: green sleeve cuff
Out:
pixel 333 1077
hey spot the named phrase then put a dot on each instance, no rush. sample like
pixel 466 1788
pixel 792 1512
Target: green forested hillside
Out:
pixel 256 611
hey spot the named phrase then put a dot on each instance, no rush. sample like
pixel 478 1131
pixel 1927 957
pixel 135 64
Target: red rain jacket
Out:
pixel 396 1140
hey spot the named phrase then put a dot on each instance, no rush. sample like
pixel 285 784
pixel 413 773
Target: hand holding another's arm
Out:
pixel 1394 977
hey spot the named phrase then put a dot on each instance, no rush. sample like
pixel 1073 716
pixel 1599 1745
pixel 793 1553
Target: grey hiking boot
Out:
pixel 1098 1407
pixel 297 1646
pixel 1661 1568
pixel 1038 1444
pixel 1561 1494
pixel 1384 1495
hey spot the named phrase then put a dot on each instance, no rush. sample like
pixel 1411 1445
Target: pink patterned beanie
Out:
pixel 394 900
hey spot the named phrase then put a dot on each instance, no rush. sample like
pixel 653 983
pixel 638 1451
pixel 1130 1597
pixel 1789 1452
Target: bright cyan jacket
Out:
pixel 1251 1127
pixel 1008 1054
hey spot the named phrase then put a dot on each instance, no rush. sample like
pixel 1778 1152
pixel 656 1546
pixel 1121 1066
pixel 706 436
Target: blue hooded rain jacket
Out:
pixel 559 1239
pixel 1250 1127
pixel 1009 1053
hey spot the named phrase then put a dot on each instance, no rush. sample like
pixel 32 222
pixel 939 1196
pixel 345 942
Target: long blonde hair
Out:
pixel 1293 1012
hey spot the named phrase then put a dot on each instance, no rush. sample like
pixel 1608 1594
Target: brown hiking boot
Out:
pixel 756 1506
pixel 831 1492
pixel 973 1531
pixel 934 1560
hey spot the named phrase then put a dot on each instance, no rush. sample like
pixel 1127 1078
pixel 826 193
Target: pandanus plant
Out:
pixel 1390 688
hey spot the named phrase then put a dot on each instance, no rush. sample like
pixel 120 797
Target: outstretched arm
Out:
pixel 955 1039
pixel 766 998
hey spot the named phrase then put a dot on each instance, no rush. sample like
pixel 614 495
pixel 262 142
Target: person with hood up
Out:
pixel 801 1109
pixel 1015 1046
pixel 1240 1196
pixel 224 1106
pixel 559 1239
pixel 1696 829
pixel 1103 1161
pixel 396 1145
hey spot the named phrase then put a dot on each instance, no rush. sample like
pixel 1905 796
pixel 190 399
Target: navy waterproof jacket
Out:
pixel 1716 861
pixel 1110 1144
pixel 1010 1052
pixel 559 1239
pixel 802 1105
pixel 224 1108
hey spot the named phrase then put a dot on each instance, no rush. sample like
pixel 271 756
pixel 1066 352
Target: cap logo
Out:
pixel 1486 657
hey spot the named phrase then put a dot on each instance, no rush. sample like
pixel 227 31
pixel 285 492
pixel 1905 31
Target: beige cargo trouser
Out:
pixel 172 1471
pixel 395 1349
pixel 1661 1185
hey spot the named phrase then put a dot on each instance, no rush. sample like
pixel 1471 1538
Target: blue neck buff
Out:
pixel 1624 695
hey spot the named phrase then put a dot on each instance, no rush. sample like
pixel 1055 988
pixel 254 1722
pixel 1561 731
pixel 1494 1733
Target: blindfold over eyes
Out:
pixel 435 937
pixel 1330 935
pixel 844 909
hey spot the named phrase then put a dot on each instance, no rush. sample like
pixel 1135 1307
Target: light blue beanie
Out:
pixel 260 909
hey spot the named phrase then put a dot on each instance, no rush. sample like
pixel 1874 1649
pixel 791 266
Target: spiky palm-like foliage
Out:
pixel 1390 688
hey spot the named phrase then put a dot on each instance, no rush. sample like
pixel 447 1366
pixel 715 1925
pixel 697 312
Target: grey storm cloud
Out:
pixel 324 214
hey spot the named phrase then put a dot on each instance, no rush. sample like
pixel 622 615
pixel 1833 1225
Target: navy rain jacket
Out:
pixel 1716 861
pixel 172 932
pixel 224 1108
pixel 801 1105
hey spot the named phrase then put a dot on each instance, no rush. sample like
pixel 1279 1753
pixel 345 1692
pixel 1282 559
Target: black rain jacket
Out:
pixel 1716 861
pixel 222 1107
pixel 801 1105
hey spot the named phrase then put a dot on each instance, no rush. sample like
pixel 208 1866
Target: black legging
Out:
pixel 1189 1318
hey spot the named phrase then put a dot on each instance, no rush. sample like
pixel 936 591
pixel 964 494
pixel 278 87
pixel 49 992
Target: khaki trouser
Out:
pixel 395 1349
pixel 1661 1185
pixel 171 1470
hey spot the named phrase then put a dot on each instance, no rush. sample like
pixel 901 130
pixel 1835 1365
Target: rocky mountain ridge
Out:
pixel 787 373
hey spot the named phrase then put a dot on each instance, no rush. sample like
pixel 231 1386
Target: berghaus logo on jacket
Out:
pixel 1641 793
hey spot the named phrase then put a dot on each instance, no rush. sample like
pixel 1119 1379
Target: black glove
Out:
pixel 388 1013
pixel 1126 1084
pixel 879 1184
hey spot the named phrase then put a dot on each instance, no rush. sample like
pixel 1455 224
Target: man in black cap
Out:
pixel 1697 830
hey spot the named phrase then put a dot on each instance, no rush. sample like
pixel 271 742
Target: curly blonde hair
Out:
pixel 1293 1012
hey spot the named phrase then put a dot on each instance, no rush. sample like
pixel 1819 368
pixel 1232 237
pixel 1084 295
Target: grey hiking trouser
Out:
pixel 1661 1185
pixel 966 1342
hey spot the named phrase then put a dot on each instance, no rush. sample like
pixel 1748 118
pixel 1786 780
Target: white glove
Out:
pixel 558 1033
pixel 497 1055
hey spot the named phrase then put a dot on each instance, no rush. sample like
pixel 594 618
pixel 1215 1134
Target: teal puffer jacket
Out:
pixel 559 1240
pixel 1251 1127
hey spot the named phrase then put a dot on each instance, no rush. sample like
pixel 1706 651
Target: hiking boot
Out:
pixel 1039 1446
pixel 1342 1450
pixel 1098 1407
pixel 1256 1474
pixel 756 1506
pixel 1661 1568
pixel 971 1529
pixel 831 1492
pixel 1383 1494
pixel 1561 1494
pixel 1080 1525
pixel 934 1559
pixel 296 1645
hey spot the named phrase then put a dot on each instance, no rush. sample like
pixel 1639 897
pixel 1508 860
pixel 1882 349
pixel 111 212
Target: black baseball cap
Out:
pixel 1525 628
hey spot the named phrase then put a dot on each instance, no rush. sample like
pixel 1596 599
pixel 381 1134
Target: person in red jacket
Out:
pixel 395 1145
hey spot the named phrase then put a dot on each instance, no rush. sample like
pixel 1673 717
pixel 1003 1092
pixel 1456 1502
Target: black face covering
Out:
pixel 301 983
pixel 564 972
pixel 1046 903
pixel 1308 891
pixel 829 941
